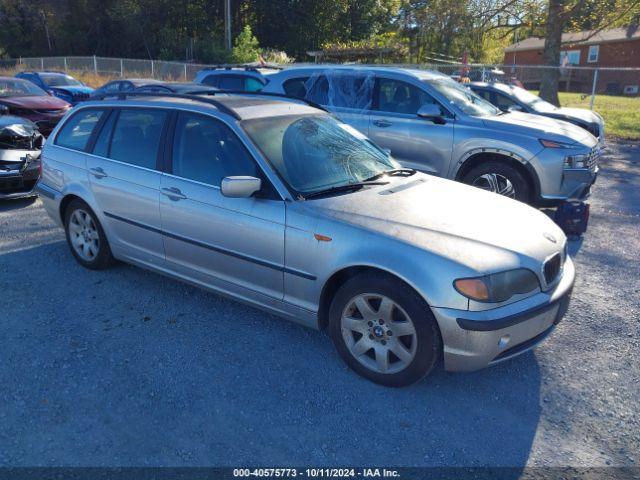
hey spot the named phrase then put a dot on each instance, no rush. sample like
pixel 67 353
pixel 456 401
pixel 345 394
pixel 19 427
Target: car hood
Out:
pixel 10 121
pixel 476 228
pixel 36 102
pixel 581 114
pixel 73 89
pixel 541 127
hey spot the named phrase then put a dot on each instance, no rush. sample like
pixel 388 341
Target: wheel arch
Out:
pixel 477 157
pixel 64 204
pixel 338 278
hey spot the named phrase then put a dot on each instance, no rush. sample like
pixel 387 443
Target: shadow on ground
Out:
pixel 125 367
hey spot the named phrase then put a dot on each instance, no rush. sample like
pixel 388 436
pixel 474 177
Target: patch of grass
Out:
pixel 621 114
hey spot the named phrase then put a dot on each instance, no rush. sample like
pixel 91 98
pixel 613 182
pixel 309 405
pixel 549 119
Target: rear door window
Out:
pixel 76 132
pixel 295 87
pixel 253 85
pixel 211 80
pixel 136 136
pixel 231 82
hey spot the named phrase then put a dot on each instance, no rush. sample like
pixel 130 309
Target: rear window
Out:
pixel 76 132
pixel 136 136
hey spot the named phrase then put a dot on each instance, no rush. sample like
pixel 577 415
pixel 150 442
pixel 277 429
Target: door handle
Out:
pixel 382 123
pixel 173 193
pixel 98 172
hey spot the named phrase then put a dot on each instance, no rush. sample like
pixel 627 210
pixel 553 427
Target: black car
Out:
pixel 186 88
pixel 513 98
pixel 123 85
pixel 20 147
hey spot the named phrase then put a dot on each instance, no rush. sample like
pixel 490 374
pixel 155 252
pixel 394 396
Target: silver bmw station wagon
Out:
pixel 278 204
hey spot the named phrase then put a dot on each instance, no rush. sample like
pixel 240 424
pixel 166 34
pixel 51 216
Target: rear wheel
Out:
pixel 85 237
pixel 383 330
pixel 501 178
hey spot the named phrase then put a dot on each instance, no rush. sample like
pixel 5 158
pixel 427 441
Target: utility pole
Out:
pixel 46 29
pixel 227 24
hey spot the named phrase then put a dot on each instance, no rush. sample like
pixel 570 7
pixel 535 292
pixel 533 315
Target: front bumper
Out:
pixel 477 339
pixel 20 180
pixel 558 184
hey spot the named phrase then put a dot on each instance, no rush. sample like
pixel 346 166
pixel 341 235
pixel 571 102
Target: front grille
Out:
pixel 552 268
pixel 592 160
pixel 51 112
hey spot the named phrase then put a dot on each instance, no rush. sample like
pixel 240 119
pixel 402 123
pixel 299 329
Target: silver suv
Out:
pixel 431 123
pixel 280 205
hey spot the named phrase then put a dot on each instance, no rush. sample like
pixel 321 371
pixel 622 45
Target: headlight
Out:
pixel 498 287
pixel 553 144
pixel 576 161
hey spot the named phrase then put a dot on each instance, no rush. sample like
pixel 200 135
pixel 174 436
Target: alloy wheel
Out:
pixel 84 235
pixel 495 183
pixel 379 333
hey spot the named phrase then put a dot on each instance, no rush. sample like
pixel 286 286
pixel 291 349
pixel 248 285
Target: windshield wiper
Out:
pixel 341 188
pixel 396 171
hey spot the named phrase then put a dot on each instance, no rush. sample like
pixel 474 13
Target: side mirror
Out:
pixel 432 112
pixel 4 110
pixel 240 187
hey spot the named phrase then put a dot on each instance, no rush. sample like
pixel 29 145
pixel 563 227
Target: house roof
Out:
pixel 586 37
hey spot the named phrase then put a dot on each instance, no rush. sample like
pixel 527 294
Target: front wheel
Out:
pixel 383 330
pixel 500 178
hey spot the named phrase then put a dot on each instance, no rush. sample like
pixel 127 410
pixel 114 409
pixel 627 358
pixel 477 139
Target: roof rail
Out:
pixel 43 71
pixel 266 94
pixel 245 66
pixel 197 98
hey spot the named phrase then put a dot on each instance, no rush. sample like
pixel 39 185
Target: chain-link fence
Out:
pixel 584 81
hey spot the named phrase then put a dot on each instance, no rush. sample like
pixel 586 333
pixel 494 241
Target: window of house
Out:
pixel 570 57
pixel 593 53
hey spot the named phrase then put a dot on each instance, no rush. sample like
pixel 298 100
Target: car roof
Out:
pixel 179 87
pixel 18 79
pixel 243 107
pixel 503 87
pixel 414 72
pixel 137 81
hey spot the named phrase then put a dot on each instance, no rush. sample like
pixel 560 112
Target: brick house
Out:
pixel 618 47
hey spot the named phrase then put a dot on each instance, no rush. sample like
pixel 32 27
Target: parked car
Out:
pixel 282 206
pixel 59 84
pixel 432 123
pixel 187 88
pixel 123 85
pixel 24 99
pixel 236 77
pixel 20 146
pixel 509 98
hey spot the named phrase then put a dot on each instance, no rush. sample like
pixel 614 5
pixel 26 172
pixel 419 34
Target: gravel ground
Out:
pixel 126 367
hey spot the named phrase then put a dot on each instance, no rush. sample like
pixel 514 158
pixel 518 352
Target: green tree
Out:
pixel 562 15
pixel 246 48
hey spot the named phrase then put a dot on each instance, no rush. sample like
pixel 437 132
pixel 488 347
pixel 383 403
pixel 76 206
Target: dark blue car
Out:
pixel 60 85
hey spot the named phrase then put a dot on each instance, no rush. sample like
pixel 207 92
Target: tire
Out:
pixel 83 228
pixel 365 352
pixel 492 176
